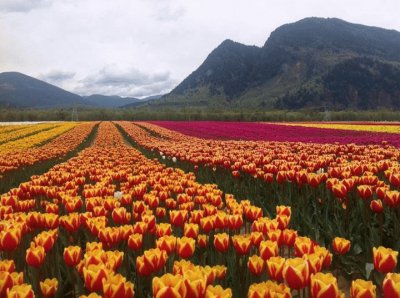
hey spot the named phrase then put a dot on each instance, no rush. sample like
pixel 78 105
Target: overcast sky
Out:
pixel 145 47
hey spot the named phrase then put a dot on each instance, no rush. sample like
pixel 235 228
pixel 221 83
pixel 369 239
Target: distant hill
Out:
pixel 104 101
pixel 143 101
pixel 19 90
pixel 313 63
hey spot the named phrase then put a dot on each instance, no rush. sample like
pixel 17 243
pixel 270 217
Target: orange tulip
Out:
pixel 296 273
pixel 269 289
pixel 315 262
pixel 151 261
pixel 185 247
pixel 376 206
pixel 21 291
pixel 72 255
pixel 289 237
pixel 167 243
pixel 341 245
pixel 116 286
pixel 6 282
pixel 10 239
pixel 191 230
pixel 364 191
pixel 268 249
pixel 195 283
pixel 49 287
pixel 169 286
pixel 392 198
pixel 221 242
pixel 391 285
pixel 302 246
pixel 385 259
pixel 135 241
pixel 242 244
pixel 324 285
pixel 275 268
pixel 93 276
pixel 218 292
pixel 7 265
pixel 256 265
pixel 163 229
pixel 178 217
pixel 35 256
pixel 362 289
pixel 207 223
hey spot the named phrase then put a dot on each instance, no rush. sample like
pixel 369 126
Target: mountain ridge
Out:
pixel 297 60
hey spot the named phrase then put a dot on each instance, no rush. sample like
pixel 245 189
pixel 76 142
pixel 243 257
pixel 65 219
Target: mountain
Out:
pixel 313 63
pixel 143 101
pixel 104 101
pixel 19 90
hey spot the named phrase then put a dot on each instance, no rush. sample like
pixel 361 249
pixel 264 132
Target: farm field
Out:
pixel 199 209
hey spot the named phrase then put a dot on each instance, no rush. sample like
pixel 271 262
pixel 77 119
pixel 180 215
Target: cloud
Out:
pixel 57 76
pixel 125 82
pixel 167 13
pixel 23 5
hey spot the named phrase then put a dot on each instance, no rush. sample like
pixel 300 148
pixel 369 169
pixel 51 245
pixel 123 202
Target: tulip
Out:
pixel 256 265
pixel 116 286
pixel 220 271
pixel 221 242
pixel 302 246
pixel 178 217
pixel 296 273
pixel 242 244
pixel 256 238
pixel 21 291
pixel 315 262
pixel 167 243
pixel 385 259
pixel 235 221
pixel 283 210
pixel 72 255
pixel 257 291
pixel 17 278
pixel 289 237
pixel 339 190
pixel 169 286
pixel 202 241
pixel 364 191
pixel 6 282
pixel 185 247
pixel 391 285
pixel 268 249
pixel 163 229
pixel 341 245
pixel 283 221
pixel 207 223
pixel 362 289
pixel 7 265
pixel 376 206
pixel 191 230
pixel 275 268
pixel 48 287
pixel 324 285
pixel 35 256
pixel 151 261
pixel 91 295
pixel 392 198
pixel 135 241
pixel 325 255
pixel 195 283
pixel 93 276
pixel 218 292
pixel 10 239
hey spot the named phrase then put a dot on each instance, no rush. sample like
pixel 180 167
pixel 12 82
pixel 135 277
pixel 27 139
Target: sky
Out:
pixel 140 48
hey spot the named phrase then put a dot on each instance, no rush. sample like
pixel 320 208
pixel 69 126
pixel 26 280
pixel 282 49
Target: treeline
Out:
pixel 195 114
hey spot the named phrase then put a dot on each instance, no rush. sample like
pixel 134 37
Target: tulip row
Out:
pixel 372 127
pixel 119 224
pixel 37 138
pixel 57 147
pixel 11 133
pixel 277 132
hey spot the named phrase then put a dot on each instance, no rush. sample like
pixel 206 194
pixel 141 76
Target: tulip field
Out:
pixel 200 209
